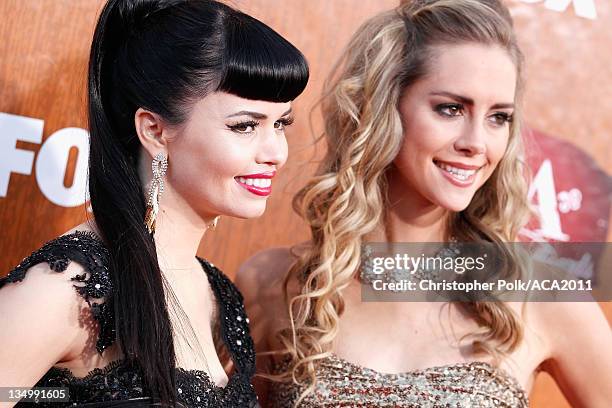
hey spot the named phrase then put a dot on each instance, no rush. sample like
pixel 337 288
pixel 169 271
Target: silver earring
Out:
pixel 159 167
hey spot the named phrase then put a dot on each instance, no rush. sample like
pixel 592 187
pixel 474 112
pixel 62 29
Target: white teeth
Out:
pixel 261 183
pixel 458 173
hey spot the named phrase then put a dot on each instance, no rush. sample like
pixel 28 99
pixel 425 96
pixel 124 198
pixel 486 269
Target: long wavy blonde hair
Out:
pixel 347 198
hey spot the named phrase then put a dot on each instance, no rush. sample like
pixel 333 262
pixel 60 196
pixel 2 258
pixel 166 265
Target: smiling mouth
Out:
pixel 463 176
pixel 258 184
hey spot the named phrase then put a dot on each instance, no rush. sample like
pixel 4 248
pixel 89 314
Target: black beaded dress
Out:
pixel 119 383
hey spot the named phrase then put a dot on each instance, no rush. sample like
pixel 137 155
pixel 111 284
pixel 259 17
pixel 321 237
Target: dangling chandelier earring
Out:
pixel 159 166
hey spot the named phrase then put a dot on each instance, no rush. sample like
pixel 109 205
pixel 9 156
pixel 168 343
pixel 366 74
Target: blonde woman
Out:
pixel 422 123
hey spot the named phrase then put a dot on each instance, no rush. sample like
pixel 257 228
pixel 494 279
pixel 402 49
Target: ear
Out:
pixel 150 131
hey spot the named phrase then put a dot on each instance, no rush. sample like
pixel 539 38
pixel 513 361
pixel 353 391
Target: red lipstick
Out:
pixel 259 184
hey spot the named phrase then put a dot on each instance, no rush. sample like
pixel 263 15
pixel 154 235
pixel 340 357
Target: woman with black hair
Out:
pixel 188 98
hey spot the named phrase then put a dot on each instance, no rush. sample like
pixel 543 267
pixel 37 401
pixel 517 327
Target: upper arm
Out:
pixel 40 319
pixel 581 351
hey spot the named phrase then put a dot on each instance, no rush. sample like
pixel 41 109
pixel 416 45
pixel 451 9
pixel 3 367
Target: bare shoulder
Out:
pixel 44 318
pixel 564 323
pixel 579 358
pixel 573 322
pixel 577 311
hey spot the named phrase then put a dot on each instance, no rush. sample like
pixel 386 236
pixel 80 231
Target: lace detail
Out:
pixel 85 248
pixel 116 381
pixel 119 380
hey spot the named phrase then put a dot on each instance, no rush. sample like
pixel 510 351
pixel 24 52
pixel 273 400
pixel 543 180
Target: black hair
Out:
pixel 162 56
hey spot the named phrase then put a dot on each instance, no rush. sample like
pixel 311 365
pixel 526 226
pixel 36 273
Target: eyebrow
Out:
pixel 255 115
pixel 469 101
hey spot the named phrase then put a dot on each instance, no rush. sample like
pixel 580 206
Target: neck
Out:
pixel 178 233
pixel 411 217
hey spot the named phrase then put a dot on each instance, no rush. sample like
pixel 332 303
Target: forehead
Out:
pixel 484 73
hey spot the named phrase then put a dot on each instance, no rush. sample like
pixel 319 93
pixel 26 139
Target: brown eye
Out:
pixel 243 127
pixel 501 118
pixel 449 110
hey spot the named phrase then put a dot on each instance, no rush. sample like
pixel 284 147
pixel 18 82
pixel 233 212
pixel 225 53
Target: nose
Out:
pixel 273 148
pixel 472 140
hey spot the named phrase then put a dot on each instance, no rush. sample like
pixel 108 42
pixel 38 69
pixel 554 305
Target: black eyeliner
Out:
pixel 245 124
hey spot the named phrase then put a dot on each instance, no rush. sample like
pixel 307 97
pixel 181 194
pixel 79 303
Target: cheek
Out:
pixel 421 141
pixel 225 160
pixel 207 164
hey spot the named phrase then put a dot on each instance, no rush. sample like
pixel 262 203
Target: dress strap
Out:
pixel 88 250
pixel 233 319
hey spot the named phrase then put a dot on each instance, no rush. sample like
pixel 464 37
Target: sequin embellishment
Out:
pixel 463 385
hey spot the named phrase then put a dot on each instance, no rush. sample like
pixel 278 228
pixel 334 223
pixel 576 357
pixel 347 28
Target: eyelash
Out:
pixel 242 127
pixel 505 117
pixel 285 122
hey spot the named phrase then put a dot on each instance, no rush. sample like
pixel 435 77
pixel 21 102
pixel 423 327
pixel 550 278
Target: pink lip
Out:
pixel 460 165
pixel 459 183
pixel 259 191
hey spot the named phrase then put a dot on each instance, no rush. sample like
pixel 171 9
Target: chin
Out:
pixel 252 212
pixel 456 208
pixel 456 205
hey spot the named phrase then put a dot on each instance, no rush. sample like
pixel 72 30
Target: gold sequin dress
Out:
pixel 344 384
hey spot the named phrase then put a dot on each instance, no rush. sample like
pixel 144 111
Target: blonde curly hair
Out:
pixel 347 198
